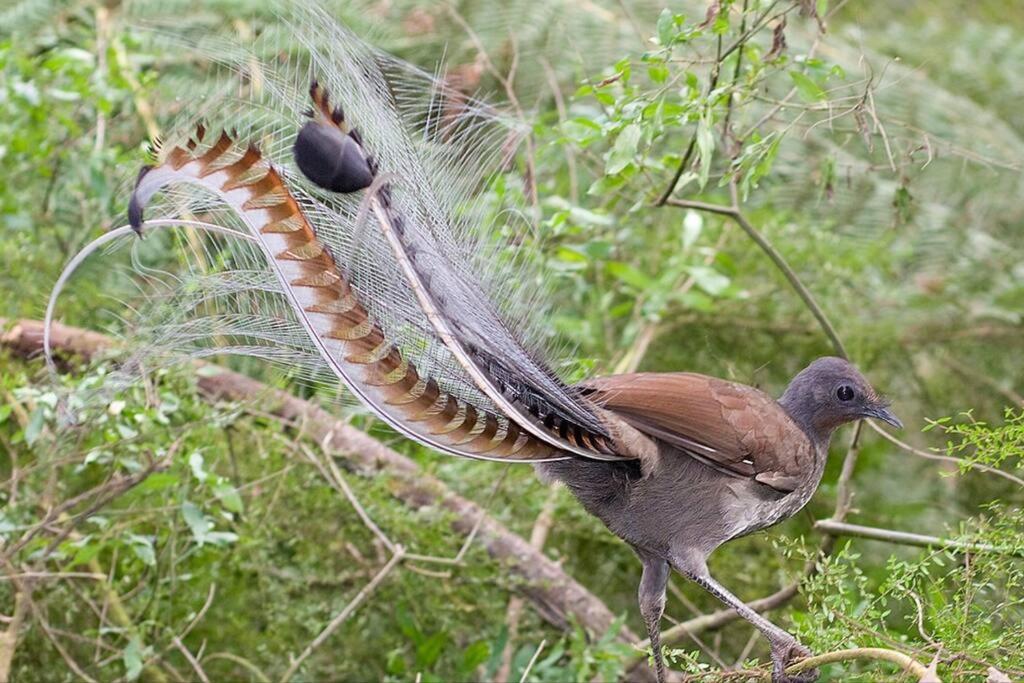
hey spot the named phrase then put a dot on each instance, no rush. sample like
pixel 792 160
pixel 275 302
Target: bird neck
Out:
pixel 803 410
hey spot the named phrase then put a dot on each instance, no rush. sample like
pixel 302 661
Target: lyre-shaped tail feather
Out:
pixel 340 327
pixel 332 156
pixel 390 268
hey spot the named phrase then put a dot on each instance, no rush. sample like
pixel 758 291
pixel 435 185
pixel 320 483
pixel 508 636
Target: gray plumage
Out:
pixel 678 515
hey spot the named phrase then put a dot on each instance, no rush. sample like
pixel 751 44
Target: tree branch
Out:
pixel 555 595
pixel 780 262
pixel 945 458
pixel 907 663
pixel 831 526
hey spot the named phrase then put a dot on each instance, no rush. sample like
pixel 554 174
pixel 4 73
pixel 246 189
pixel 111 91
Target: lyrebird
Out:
pixel 355 245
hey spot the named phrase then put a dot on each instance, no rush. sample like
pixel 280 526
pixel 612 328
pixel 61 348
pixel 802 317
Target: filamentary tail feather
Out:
pixel 380 257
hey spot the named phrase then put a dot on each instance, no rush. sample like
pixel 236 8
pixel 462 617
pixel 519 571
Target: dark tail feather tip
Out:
pixel 135 206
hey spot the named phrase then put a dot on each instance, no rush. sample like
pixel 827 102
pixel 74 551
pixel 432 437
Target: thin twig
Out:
pixel 538 536
pixel 533 660
pixel 333 477
pixel 242 661
pixel 780 262
pixel 337 621
pixel 55 575
pixel 191 659
pixel 944 458
pixel 202 611
pixel 908 538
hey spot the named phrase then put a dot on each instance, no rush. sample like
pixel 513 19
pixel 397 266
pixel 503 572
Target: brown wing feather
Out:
pixel 738 429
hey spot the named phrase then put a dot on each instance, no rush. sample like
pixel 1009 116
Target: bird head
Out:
pixel 829 393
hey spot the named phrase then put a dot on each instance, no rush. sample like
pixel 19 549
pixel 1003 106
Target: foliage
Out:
pixel 955 607
pixel 974 441
pixel 891 188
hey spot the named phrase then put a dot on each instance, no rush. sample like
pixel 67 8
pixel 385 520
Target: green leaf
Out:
pixel 572 256
pixel 721 23
pixel 158 481
pixel 622 154
pixel 697 301
pixel 475 655
pixel 430 649
pixel 221 537
pixel 598 249
pixel 142 546
pixel 209 370
pixel 195 461
pixel 902 201
pixel 666 27
pixel 132 658
pixel 35 425
pixel 693 223
pixel 196 521
pixel 228 496
pixel 86 552
pixel 658 73
pixel 126 432
pixel 705 148
pixel 497 649
pixel 582 216
pixel 630 275
pixel 605 184
pixel 808 90
pixel 581 130
pixel 709 279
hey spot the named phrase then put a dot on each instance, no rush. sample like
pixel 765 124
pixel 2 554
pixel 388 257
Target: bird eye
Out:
pixel 845 393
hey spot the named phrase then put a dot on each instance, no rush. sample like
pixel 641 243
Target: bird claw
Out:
pixel 783 654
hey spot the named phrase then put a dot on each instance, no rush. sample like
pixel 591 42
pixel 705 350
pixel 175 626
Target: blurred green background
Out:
pixel 881 157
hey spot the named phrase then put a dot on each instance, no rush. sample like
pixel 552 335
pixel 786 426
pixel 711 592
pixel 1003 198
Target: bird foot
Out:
pixel 784 652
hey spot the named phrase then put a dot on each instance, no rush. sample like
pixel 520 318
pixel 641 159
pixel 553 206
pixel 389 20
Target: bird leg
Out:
pixel 784 647
pixel 651 595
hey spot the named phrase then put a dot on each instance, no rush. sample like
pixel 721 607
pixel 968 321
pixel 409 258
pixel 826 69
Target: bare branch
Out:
pixel 241 661
pixel 191 660
pixel 9 638
pixel 533 660
pixel 905 662
pixel 908 538
pixel 945 458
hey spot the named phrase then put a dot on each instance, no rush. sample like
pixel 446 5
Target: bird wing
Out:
pixel 737 429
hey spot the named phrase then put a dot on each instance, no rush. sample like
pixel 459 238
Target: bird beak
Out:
pixel 883 413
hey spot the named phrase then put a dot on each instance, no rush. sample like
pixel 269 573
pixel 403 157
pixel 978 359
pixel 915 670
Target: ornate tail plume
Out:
pixel 369 255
